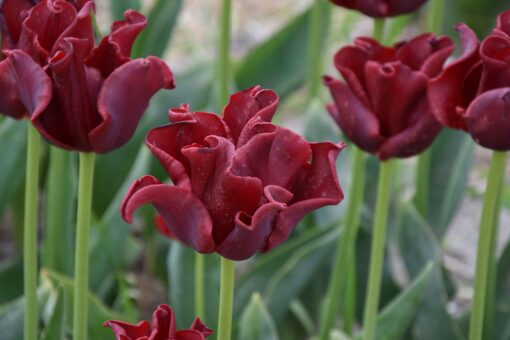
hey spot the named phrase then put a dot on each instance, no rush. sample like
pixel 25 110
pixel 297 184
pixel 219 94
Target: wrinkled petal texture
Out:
pixel 381 8
pixel 472 92
pixel 11 20
pixel 382 106
pixel 163 328
pixel 98 94
pixel 240 183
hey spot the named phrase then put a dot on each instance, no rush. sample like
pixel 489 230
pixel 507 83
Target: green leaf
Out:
pixel 280 62
pixel 13 135
pixel 256 322
pixel 11 277
pixel 155 38
pixel 478 14
pixel 451 160
pixel 118 7
pixel 56 314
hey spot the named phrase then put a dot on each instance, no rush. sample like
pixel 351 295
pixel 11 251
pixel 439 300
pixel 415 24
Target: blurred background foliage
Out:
pixel 430 257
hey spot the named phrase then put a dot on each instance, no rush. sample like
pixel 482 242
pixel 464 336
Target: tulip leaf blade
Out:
pixel 256 322
pixel 279 63
pixel 155 38
pixel 11 276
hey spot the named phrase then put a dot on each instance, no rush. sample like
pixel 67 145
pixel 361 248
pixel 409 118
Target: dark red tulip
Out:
pixel 79 96
pixel 241 184
pixel 163 328
pixel 382 105
pixel 381 8
pixel 473 92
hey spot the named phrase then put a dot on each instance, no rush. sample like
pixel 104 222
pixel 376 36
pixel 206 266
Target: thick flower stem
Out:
pixel 435 16
pixel 487 229
pixel 54 201
pixel 31 318
pixel 199 285
pixel 223 62
pixel 81 263
pixel 321 12
pixel 226 299
pixel 346 242
pixel 377 250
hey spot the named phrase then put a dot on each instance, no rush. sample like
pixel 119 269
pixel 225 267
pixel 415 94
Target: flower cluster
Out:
pixel 383 105
pixel 163 328
pixel 473 93
pixel 79 95
pixel 241 184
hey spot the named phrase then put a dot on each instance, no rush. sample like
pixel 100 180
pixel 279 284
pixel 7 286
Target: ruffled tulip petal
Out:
pixel 11 20
pixel 166 142
pixel 197 325
pixel 115 49
pixel 503 24
pixel 446 92
pixel 318 188
pixel 189 334
pixel 488 119
pixel 386 80
pixel 75 94
pixel 124 97
pixel 246 105
pixel 416 138
pixel 126 331
pixel 354 118
pixel 381 8
pixel 495 53
pixel 24 85
pixel 251 233
pixel 163 323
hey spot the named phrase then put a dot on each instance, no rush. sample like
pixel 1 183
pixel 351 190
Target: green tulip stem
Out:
pixel 377 250
pixel 435 16
pixel 320 13
pixel 199 285
pixel 54 202
pixel 223 62
pixel 81 260
pixel 228 268
pixel 346 244
pixel 31 318
pixel 484 252
pixel 379 25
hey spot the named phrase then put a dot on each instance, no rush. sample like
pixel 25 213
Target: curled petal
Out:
pixel 318 188
pixel 197 325
pixel 182 212
pixel 163 323
pixel 115 49
pixel 127 331
pixel 415 138
pixel 353 116
pixel 488 119
pixel 495 53
pixel 252 103
pixel 190 129
pixel 251 233
pixel 24 85
pixel 163 228
pixel 123 99
pixel 448 96
pixel 503 24
pixel 11 20
pixel 381 8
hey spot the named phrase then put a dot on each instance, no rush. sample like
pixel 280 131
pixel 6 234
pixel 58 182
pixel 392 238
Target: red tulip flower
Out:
pixel 381 8
pixel 473 92
pixel 79 96
pixel 382 105
pixel 163 328
pixel 241 184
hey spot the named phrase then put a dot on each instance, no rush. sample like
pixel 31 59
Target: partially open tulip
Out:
pixel 381 8
pixel 241 184
pixel 382 104
pixel 473 92
pixel 163 328
pixel 79 96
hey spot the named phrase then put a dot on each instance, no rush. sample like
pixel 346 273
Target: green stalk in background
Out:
pixel 377 250
pixel 31 318
pixel 434 25
pixel 223 62
pixel 484 251
pixel 81 264
pixel 321 11
pixel 345 261
pixel 228 269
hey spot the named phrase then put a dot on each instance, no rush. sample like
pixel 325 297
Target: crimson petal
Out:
pixel 11 20
pixel 127 331
pixel 123 99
